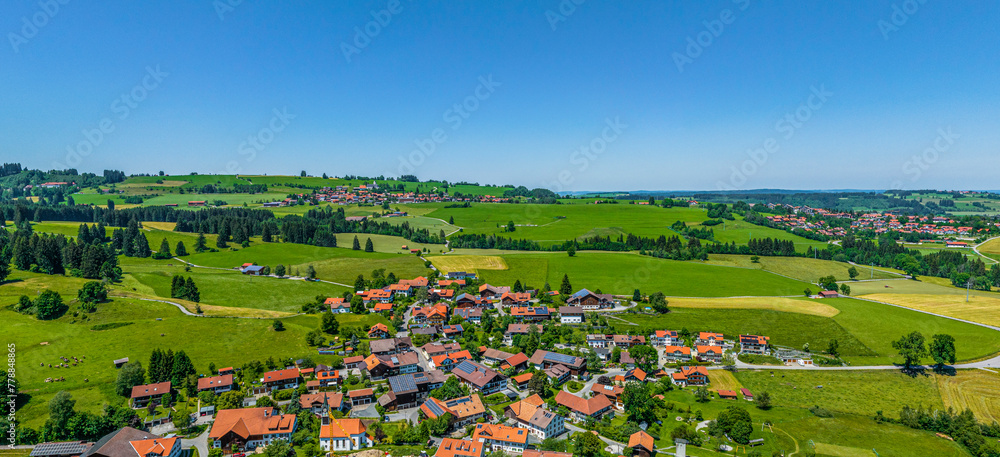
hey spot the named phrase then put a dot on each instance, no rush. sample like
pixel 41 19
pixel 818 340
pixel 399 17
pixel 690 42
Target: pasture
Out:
pixel 623 272
pixel 801 268
pixel 982 309
pixel 789 305
pixel 723 380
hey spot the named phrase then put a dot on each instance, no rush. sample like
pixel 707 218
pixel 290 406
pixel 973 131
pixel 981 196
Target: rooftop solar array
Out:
pixel 65 448
pixel 435 408
pixel 403 383
pixel 458 401
pixel 466 366
pixel 560 358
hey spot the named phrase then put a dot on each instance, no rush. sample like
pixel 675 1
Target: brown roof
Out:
pixel 570 310
pixel 500 433
pixel 360 393
pixel 148 390
pixel 641 438
pixel 215 381
pixel 587 407
pixel 333 400
pixel 117 443
pixel 251 422
pixel 281 375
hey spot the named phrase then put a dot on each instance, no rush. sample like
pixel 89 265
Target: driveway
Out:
pixel 365 411
pixel 408 414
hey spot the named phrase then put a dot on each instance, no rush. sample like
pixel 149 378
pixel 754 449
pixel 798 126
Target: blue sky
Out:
pixel 569 95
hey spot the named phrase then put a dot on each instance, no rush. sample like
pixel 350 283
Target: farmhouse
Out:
pixel 627 341
pixel 580 409
pixel 142 395
pixel 250 428
pixel 501 438
pixel 642 444
pixel 517 329
pixel 570 315
pixel 463 410
pixel 125 441
pixel 495 357
pixel 531 414
pixel 437 348
pixel 254 270
pixel 690 376
pixel 590 301
pixel 451 447
pixel 408 390
pixel 436 314
pixel 467 301
pixel 479 378
pixel 344 435
pixel 281 379
pixel 515 298
pixel 216 384
pixel 382 366
pixel 487 291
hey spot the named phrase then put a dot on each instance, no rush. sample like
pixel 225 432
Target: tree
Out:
pixel 852 272
pixel 942 350
pixel 180 250
pixel 828 282
pixel 229 400
pixel 369 247
pixel 565 288
pixel 510 226
pixel 141 249
pixel 659 303
pixel 538 384
pixel 763 400
pixel 277 326
pixel 49 305
pixel 571 251
pixel 736 423
pixel 639 403
pixel 222 238
pixel 92 292
pixel 61 411
pixel 845 289
pixel 586 444
pixel 279 448
pixel 451 220
pixel 329 323
pixel 358 305
pixel 356 245
pixel 808 292
pixel 833 348
pixel 310 272
pixel 201 244
pixel 131 375
pixel 279 270
pixel 911 347
pixel 701 395
pixel 164 252
pixel 359 283
pixel 645 356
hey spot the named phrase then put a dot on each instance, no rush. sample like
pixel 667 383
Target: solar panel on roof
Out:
pixel 465 366
pixel 402 383
pixel 560 358
pixel 66 448
pixel 435 408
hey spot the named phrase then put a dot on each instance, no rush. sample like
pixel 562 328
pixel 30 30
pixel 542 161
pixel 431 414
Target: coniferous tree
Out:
pixel 142 249
pixel 265 233
pixel 357 245
pixel 192 291
pixel 201 244
pixel 369 247
pixel 164 252
pixel 180 250
pixel 565 288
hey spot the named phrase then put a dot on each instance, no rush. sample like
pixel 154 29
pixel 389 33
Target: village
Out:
pixel 485 398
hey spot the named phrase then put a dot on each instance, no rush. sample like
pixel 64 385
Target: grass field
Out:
pixel 991 249
pixel 468 262
pixel 785 329
pixel 551 224
pixel 723 380
pixel 876 325
pixel 801 268
pixel 978 390
pixel 386 243
pixel 622 272
pixel 850 436
pixel 852 392
pixel 985 310
pixel 789 305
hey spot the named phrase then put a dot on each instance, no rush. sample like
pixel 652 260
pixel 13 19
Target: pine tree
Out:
pixel 201 244
pixel 176 284
pixel 265 233
pixel 164 251
pixel 83 235
pixel 357 245
pixel 180 250
pixel 565 288
pixel 142 246
pixel 223 237
pixel 369 247
pixel 192 291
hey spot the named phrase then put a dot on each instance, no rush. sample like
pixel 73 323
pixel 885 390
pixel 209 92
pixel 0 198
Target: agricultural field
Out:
pixel 473 263
pixel 790 305
pixel 801 268
pixel 553 224
pixel 991 249
pixel 978 390
pixel 622 272
pixel 386 243
pixel 723 380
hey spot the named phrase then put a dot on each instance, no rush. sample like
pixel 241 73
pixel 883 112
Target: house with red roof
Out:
pixel 241 429
pixel 281 379
pixel 142 395
pixel 690 376
pixel 580 409
pixel 216 384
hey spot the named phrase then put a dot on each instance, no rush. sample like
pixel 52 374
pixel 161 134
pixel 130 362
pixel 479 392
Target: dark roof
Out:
pixel 403 384
pixel 61 448
pixel 116 443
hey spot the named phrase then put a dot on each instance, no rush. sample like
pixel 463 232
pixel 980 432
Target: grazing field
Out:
pixel 623 272
pixel 723 380
pixel 991 249
pixel 801 268
pixel 985 310
pixel 227 288
pixel 789 305
pixel 834 450
pixel 877 325
pixel 977 390
pixel 422 222
pixel 785 329
pixel 853 392
pixel 223 341
pixel 231 199
pixel 386 243
pixel 446 263
pixel 850 436
pixel 552 224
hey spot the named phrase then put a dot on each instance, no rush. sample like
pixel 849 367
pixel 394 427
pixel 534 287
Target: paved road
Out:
pixel 976 250
pixel 199 442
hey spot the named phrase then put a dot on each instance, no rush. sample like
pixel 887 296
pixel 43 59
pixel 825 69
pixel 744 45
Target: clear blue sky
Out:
pixel 687 115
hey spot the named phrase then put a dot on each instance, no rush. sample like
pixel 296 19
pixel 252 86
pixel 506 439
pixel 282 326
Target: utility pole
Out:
pixel 968 286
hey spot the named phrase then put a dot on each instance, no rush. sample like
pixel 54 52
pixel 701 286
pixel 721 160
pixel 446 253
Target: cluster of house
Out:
pixel 878 222
pixel 372 194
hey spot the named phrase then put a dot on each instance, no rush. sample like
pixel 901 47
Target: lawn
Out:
pixel 801 268
pixel 224 341
pixel 623 272
pixel 723 380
